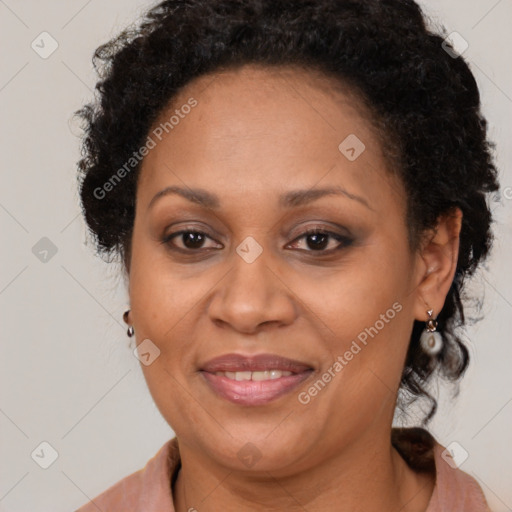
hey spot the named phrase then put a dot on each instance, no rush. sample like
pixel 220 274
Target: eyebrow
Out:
pixel 291 199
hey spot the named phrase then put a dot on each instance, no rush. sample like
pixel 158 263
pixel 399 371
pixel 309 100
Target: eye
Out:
pixel 187 240
pixel 318 240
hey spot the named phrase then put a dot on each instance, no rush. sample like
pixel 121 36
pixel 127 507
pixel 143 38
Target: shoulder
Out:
pixel 145 490
pixel 454 489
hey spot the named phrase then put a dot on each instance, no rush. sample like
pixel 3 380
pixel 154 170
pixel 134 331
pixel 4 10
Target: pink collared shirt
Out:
pixel 149 489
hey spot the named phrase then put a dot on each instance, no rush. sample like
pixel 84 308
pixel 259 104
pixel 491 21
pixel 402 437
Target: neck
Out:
pixel 370 475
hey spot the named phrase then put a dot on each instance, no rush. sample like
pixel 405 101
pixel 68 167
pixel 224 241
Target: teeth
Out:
pixel 260 375
pixel 257 376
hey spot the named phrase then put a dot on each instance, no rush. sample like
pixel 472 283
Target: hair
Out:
pixel 425 104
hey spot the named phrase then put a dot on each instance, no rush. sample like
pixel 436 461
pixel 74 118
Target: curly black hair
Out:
pixel 424 99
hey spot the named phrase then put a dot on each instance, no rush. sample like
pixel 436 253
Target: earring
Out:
pixel 131 331
pixel 431 341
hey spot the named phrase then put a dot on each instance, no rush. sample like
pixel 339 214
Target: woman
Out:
pixel 297 191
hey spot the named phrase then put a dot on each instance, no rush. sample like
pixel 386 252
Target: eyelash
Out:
pixel 344 241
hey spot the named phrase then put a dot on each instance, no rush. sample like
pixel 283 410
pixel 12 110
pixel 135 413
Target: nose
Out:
pixel 252 297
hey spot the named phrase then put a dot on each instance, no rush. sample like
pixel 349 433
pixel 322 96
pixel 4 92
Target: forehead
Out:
pixel 259 130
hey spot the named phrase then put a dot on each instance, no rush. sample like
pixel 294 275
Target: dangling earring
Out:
pixel 431 341
pixel 131 331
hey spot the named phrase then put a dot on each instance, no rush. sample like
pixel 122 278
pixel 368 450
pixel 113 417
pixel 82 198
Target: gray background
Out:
pixel 68 375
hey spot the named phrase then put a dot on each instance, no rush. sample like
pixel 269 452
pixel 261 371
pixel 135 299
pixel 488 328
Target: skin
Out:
pixel 255 134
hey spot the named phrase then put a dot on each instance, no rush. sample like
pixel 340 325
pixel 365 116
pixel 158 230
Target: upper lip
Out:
pixel 254 363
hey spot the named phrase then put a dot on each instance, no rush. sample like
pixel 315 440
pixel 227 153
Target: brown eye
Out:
pixel 192 240
pixel 317 240
pixel 187 240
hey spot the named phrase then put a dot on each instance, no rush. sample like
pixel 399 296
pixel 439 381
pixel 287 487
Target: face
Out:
pixel 271 271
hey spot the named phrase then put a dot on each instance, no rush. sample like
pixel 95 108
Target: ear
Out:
pixel 437 263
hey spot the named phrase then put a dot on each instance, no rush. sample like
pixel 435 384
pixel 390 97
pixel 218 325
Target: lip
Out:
pixel 248 392
pixel 260 362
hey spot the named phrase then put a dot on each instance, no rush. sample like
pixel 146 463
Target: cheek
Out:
pixel 159 295
pixel 363 300
pixel 365 316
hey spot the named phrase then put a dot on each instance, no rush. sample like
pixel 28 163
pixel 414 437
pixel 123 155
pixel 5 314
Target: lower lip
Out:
pixel 248 392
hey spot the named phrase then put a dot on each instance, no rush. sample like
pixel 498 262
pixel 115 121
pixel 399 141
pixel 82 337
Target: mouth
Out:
pixel 254 380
